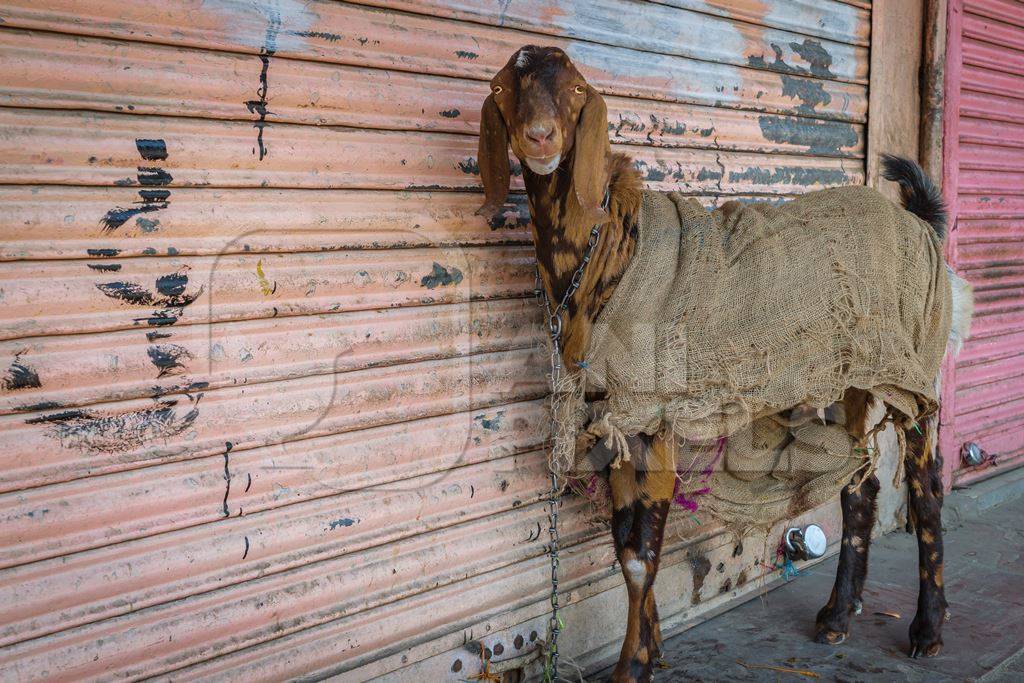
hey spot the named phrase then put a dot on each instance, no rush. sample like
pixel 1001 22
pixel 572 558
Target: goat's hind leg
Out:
pixel 641 494
pixel 833 622
pixel 924 479
pixel 858 504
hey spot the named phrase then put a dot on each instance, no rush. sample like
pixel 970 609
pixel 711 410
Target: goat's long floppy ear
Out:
pixel 589 168
pixel 492 158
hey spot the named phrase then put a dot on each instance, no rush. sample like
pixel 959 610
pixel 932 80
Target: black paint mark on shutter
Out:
pixel 149 176
pixel 118 432
pixel 441 277
pixel 169 359
pixel 227 476
pixel 170 296
pixel 151 150
pixel 259 106
pixel 21 376
pixel 153 176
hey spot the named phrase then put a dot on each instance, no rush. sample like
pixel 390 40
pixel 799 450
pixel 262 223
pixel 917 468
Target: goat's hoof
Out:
pixel 924 644
pixel 925 649
pixel 925 637
pixel 830 637
pixel 661 663
pixel 633 671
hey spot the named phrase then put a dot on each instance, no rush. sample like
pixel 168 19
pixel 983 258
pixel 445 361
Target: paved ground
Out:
pixel 984 640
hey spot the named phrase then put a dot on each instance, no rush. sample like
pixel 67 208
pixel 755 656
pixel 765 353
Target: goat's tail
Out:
pixel 920 196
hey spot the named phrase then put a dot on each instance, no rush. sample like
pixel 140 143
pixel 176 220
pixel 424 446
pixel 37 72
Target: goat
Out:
pixel 556 125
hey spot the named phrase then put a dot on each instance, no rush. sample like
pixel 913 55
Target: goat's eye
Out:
pixel 579 90
pixel 497 89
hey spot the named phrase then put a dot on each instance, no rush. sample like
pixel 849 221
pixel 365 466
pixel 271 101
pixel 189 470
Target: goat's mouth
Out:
pixel 543 165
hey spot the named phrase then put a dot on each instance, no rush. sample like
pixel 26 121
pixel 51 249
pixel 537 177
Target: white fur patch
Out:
pixel 544 168
pixel 963 310
pixel 523 59
pixel 636 572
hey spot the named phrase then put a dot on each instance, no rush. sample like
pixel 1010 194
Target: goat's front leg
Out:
pixel 833 622
pixel 924 478
pixel 641 493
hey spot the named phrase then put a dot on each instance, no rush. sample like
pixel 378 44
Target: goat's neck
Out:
pixel 561 234
pixel 558 229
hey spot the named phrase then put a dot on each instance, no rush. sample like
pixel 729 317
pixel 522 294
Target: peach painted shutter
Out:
pixel 272 394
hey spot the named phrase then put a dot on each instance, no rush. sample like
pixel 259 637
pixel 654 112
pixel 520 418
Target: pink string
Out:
pixel 688 500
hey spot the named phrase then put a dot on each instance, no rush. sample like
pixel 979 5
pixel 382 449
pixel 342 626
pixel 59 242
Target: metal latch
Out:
pixel 973 454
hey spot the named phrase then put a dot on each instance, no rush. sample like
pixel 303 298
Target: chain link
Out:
pixel 555 330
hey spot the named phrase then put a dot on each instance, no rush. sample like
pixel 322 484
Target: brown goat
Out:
pixel 556 124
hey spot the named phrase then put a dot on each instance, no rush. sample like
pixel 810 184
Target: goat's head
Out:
pixel 543 108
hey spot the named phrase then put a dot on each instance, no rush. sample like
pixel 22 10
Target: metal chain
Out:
pixel 555 316
pixel 555 330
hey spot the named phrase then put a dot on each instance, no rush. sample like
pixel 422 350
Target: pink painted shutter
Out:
pixel 985 186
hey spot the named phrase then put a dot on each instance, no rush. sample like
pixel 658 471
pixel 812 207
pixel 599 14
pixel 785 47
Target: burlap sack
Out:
pixel 725 318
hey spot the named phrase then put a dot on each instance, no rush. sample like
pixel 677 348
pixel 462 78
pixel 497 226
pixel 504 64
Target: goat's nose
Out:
pixel 540 132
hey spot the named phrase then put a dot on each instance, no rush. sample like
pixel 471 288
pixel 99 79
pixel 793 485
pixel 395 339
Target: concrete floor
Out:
pixel 984 639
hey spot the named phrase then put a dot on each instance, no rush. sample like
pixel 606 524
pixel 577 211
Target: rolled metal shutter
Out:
pixel 272 402
pixel 984 396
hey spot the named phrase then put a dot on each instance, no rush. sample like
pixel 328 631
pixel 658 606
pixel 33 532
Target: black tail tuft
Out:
pixel 920 196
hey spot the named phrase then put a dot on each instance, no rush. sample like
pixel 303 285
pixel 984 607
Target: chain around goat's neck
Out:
pixel 555 330
pixel 555 316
